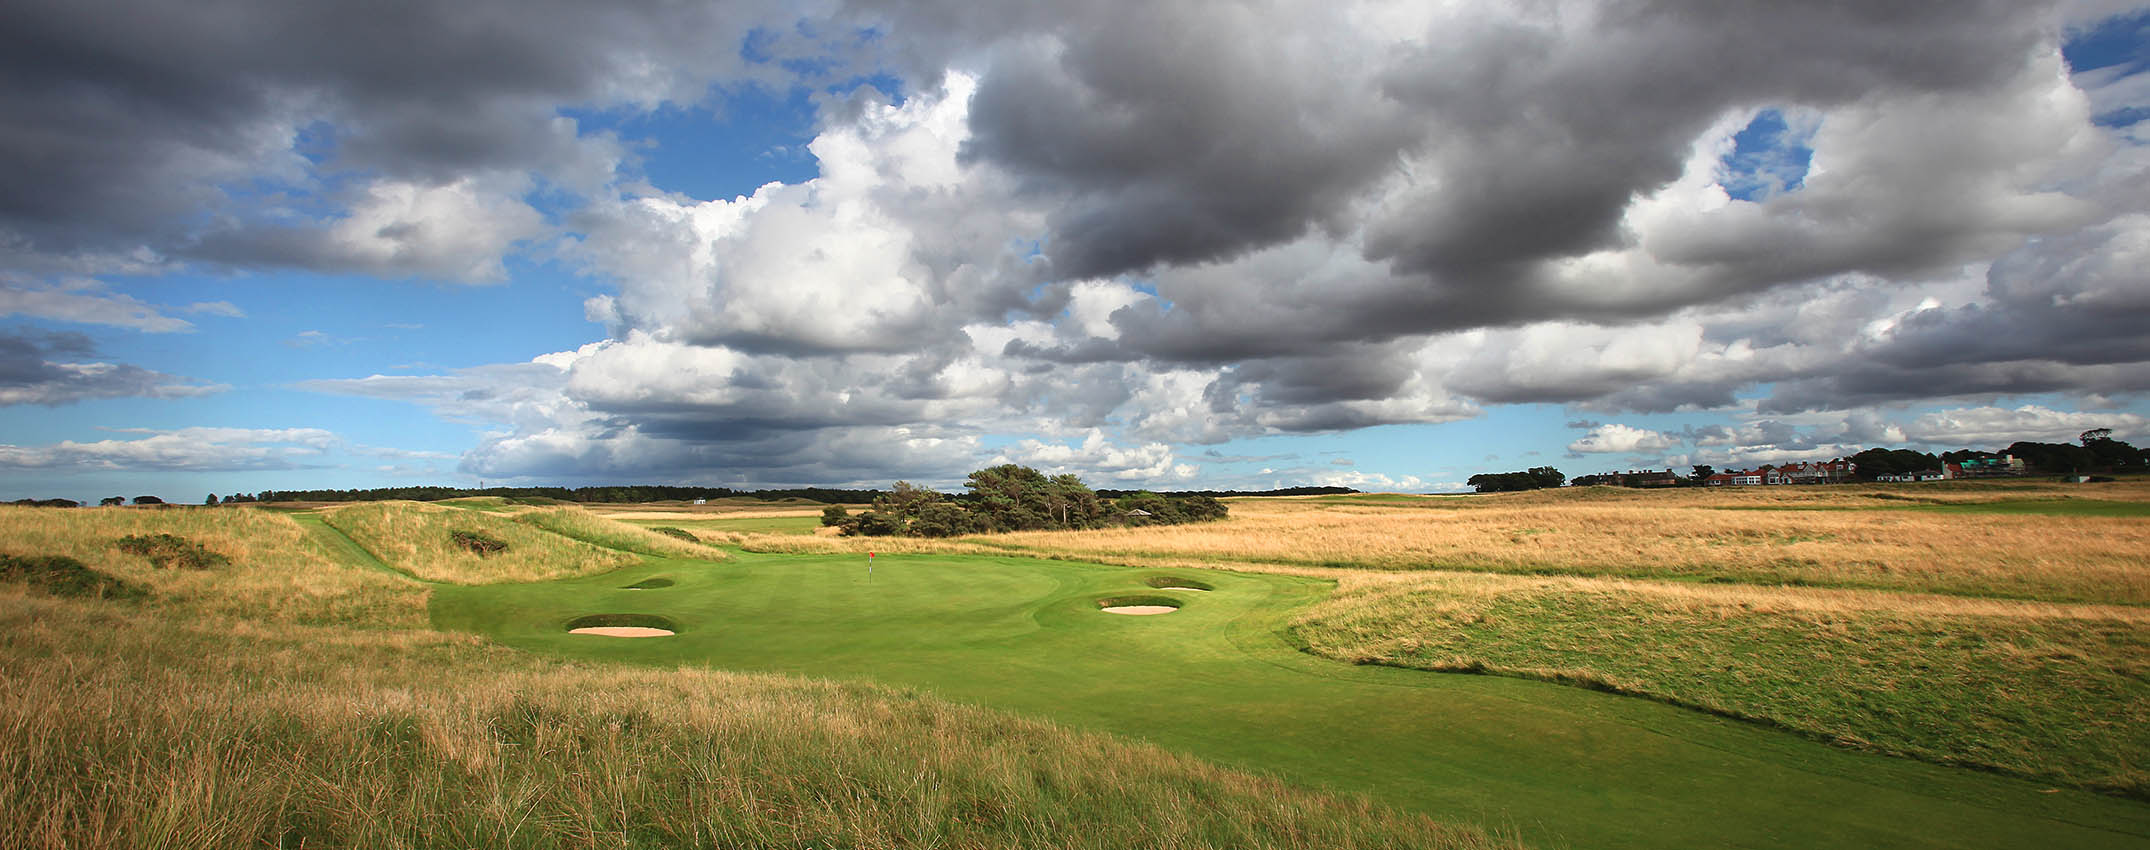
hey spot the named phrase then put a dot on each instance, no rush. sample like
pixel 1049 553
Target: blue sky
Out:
pixel 1176 247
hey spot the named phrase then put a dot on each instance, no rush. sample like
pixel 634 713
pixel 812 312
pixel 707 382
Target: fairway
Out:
pixel 1562 766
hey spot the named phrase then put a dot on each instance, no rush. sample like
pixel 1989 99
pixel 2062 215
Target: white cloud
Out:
pixel 189 449
pixel 1996 427
pixel 1614 438
pixel 1097 459
pixel 456 231
pixel 84 301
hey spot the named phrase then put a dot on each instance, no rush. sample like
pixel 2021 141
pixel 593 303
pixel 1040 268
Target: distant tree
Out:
pixel 1069 503
pixel 1703 472
pixel 1011 497
pixel 211 501
pixel 2054 457
pixel 944 519
pixel 906 500
pixel 2113 454
pixel 112 501
pixel 876 523
pixel 148 500
pixel 1535 478
pixel 835 516
pixel 1874 463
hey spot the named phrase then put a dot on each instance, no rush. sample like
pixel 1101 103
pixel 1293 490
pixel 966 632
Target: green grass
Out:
pixel 737 525
pixel 1560 765
pixel 126 730
pixel 2062 698
pixel 590 528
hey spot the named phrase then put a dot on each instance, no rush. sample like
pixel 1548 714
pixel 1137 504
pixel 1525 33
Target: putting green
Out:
pixel 1562 766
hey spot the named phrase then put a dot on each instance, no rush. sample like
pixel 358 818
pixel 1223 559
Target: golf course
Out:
pixel 1593 668
pixel 1555 765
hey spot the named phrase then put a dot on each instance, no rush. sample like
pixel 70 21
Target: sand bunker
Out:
pixel 621 631
pixel 1138 606
pixel 622 625
pixel 1177 583
pixel 1178 587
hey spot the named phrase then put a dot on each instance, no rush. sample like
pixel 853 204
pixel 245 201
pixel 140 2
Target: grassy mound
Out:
pixel 651 583
pixel 477 543
pixel 170 551
pixel 1162 582
pixel 419 539
pixel 64 576
pixel 2061 693
pixel 279 570
pixel 612 534
pixel 348 738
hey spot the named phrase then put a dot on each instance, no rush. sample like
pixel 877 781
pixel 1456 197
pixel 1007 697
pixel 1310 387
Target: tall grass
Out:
pixel 275 571
pixel 2058 692
pixel 415 538
pixel 583 525
pixel 1685 535
pixel 122 730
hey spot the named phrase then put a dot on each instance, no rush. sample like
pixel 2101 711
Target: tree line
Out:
pixel 2095 452
pixel 1011 497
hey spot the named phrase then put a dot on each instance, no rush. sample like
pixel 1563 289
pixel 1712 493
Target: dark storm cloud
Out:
pixel 2064 314
pixel 1166 142
pixel 48 369
pixel 131 123
pixel 1181 133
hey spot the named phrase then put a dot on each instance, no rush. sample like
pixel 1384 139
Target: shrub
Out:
pixel 478 543
pixel 171 550
pixel 63 576
pixel 680 533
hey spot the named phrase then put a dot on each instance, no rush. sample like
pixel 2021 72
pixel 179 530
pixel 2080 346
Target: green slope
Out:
pixel 1560 765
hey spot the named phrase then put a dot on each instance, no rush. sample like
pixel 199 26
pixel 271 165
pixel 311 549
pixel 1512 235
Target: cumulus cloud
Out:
pixel 186 449
pixel 1615 438
pixel 227 131
pixel 1111 229
pixel 1095 458
pixel 1993 427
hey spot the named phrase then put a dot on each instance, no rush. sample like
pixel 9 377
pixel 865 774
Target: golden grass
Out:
pixel 583 525
pixel 726 513
pixel 128 730
pixel 278 571
pixel 2056 691
pixel 414 537
pixel 1684 534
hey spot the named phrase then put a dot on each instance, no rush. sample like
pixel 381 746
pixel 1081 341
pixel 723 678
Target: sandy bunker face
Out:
pixel 621 631
pixel 622 625
pixel 1177 587
pixel 1138 610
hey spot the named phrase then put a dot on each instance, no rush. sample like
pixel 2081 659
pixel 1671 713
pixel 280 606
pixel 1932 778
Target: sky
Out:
pixel 249 244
